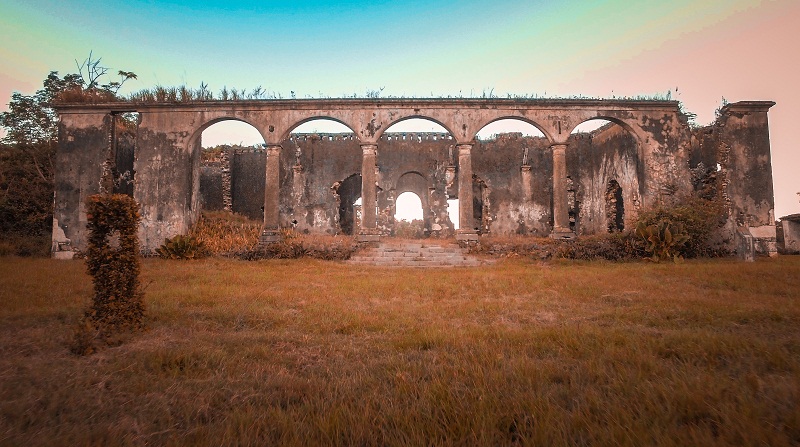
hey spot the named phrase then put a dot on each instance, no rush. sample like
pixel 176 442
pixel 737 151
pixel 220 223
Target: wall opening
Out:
pixel 408 216
pixel 407 149
pixel 512 126
pixel 349 196
pixel 603 162
pixel 124 146
pixel 232 163
pixel 615 209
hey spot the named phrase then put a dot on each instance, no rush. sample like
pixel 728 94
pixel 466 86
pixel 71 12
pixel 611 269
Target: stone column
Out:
pixel 527 185
pixel 272 190
pixel 560 205
pixel 466 226
pixel 369 220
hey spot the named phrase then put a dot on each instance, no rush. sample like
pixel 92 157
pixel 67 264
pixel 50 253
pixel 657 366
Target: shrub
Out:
pixel 409 230
pixel 293 246
pixel 610 247
pixel 113 262
pixel 663 240
pixel 182 247
pixel 697 219
pixel 224 233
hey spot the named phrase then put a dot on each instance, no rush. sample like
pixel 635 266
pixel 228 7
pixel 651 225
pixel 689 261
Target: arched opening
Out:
pixel 604 167
pixel 511 156
pixel 231 160
pixel 332 152
pixel 348 194
pixel 408 216
pixel 615 208
pixel 508 126
pixel 417 155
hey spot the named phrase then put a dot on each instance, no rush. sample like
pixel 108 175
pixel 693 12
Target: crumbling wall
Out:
pixel 501 163
pixel 82 159
pixel 732 159
pixel 595 159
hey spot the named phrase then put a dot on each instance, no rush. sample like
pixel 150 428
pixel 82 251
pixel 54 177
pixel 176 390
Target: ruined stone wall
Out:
pixel 649 154
pixel 595 159
pixel 514 206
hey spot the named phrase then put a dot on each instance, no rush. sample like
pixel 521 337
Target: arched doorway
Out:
pixel 324 201
pixel 407 149
pixel 511 194
pixel 606 174
pixel 230 159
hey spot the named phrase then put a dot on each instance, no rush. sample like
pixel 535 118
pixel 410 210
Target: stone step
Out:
pixel 421 255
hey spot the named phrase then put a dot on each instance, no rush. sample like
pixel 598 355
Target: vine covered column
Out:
pixel 560 206
pixel 271 232
pixel 466 225
pixel 369 218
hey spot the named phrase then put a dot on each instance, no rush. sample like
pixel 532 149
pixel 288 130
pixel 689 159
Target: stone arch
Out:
pixel 415 182
pixel 615 154
pixel 227 188
pixel 308 119
pixel 632 127
pixel 538 126
pixel 195 140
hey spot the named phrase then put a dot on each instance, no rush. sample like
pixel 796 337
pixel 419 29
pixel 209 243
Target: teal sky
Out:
pixel 739 49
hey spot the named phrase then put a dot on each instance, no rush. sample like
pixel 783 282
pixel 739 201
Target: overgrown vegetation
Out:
pixel 27 153
pixel 112 259
pixel 182 247
pixel 409 230
pixel 295 245
pixel 317 353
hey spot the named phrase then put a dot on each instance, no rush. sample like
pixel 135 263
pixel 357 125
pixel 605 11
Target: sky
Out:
pixel 699 51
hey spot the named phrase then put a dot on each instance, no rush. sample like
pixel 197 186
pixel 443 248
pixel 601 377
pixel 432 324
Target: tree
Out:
pixel 27 152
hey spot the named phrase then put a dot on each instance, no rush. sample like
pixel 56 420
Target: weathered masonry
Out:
pixel 561 184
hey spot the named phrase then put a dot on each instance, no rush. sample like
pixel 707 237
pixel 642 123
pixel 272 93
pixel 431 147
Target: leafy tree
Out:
pixel 27 152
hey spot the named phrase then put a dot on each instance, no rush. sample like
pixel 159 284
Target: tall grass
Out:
pixel 318 353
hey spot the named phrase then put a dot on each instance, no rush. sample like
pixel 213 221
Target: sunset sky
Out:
pixel 700 50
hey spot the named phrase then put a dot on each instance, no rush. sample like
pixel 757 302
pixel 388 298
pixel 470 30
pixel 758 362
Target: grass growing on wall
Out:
pixel 306 352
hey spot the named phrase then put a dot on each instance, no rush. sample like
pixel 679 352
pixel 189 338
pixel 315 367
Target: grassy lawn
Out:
pixel 312 352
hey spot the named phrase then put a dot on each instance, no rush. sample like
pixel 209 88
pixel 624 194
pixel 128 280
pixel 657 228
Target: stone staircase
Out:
pixel 415 254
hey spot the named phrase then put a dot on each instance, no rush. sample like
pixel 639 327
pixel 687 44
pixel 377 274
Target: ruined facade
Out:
pixel 558 185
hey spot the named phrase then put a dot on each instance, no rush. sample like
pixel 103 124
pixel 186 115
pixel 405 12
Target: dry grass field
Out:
pixel 318 353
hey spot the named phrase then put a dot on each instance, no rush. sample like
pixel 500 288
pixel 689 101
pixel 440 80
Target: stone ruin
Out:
pixel 560 185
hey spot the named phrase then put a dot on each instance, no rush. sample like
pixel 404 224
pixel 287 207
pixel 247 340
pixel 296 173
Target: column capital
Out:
pixel 559 147
pixel 369 148
pixel 273 149
pixel 464 148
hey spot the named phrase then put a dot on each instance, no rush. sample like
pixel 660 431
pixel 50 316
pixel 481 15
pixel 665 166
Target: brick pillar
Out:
pixel 466 225
pixel 271 231
pixel 560 205
pixel 369 220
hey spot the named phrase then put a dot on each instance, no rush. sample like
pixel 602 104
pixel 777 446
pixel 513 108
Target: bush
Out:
pixel 610 247
pixel 293 246
pixel 113 262
pixel 697 218
pixel 663 240
pixel 223 233
pixel 409 230
pixel 182 247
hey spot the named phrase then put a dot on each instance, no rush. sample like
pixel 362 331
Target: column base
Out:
pixel 467 238
pixel 368 235
pixel 269 236
pixel 562 233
